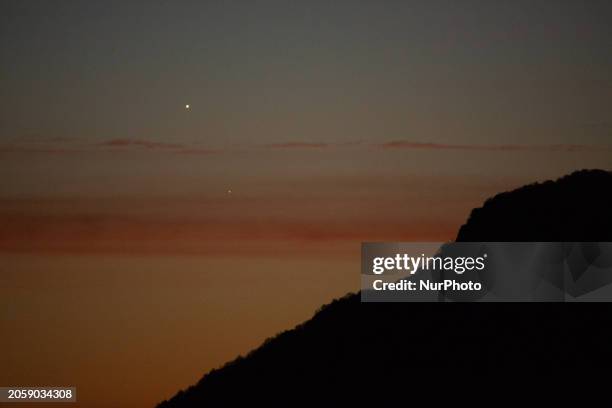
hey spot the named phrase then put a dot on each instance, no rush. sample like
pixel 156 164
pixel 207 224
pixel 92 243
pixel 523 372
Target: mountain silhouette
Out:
pixel 574 208
pixel 351 348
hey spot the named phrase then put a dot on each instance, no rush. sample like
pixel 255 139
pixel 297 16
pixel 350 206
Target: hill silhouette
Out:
pixel 574 208
pixel 350 348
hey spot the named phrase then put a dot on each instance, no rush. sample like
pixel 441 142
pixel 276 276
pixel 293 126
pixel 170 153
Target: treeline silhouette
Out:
pixel 349 349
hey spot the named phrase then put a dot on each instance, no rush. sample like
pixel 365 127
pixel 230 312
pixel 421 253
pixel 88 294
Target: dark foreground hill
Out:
pixel 349 349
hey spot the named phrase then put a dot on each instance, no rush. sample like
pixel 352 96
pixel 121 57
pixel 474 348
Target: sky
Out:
pixel 148 243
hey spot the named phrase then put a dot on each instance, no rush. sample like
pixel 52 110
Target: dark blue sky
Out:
pixel 441 71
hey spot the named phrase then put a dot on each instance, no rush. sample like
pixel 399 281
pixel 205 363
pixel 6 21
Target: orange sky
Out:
pixel 138 270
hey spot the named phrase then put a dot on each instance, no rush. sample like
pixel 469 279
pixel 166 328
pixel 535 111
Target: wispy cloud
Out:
pixel 127 144
pixel 67 146
pixel 34 149
pixel 140 143
pixel 86 226
pixel 297 145
pixel 410 145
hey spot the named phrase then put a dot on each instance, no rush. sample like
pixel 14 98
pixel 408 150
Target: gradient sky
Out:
pixel 143 243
